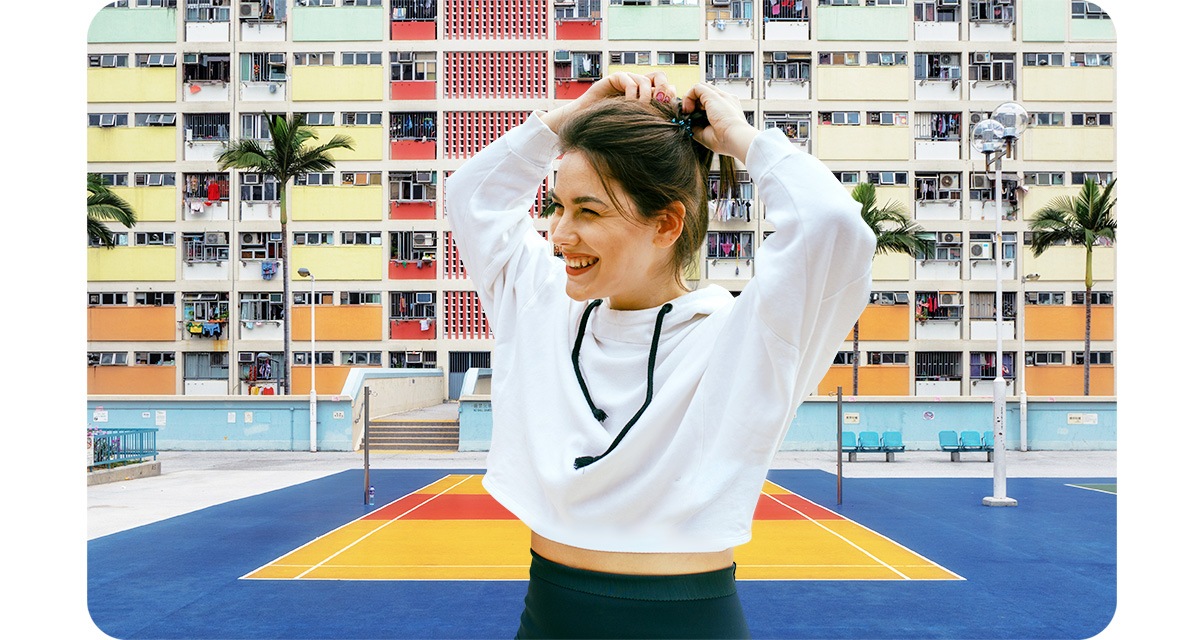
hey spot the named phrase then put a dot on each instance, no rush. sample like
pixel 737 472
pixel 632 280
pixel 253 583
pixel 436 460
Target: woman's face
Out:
pixel 607 254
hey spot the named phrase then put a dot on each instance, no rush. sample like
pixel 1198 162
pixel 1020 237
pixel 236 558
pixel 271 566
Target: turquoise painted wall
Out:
pixel 1092 30
pixel 133 25
pixel 863 23
pixel 1044 20
pixel 329 24
pixel 654 23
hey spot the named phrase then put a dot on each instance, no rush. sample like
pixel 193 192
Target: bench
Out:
pixel 848 443
pixel 968 441
pixel 889 443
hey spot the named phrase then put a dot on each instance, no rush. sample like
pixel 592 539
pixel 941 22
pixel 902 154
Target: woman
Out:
pixel 634 419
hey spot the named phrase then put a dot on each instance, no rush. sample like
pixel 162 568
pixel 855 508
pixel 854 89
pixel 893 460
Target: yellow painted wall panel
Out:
pixel 132 324
pixel 863 83
pixel 132 380
pixel 355 262
pixel 1062 322
pixel 340 322
pixel 1038 197
pixel 874 380
pixel 132 84
pixel 120 264
pixel 337 203
pixel 1067 84
pixel 884 322
pixel 863 142
pixel 131 144
pixel 1079 144
pixel 367 142
pixel 682 76
pixel 332 83
pixel 151 204
pixel 892 266
pixel 1070 263
pixel 1067 380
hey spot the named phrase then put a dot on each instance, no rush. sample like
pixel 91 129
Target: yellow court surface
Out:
pixel 453 529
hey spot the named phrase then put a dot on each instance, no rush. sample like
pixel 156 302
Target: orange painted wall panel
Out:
pixel 412 90
pixel 412 271
pixel 330 378
pixel 411 210
pixel 570 89
pixel 341 322
pixel 874 380
pixel 132 380
pixel 411 330
pixel 578 29
pixel 884 322
pixel 413 150
pixel 1060 322
pixel 412 30
pixel 1067 380
pixel 149 324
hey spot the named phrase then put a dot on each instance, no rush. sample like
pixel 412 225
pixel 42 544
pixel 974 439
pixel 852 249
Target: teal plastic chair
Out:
pixel 869 441
pixel 948 441
pixel 971 441
pixel 848 441
pixel 892 441
pixel 988 440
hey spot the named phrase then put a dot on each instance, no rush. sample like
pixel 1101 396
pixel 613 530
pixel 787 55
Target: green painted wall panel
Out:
pixel 654 23
pixel 863 23
pixel 1092 30
pixel 331 24
pixel 1044 20
pixel 133 25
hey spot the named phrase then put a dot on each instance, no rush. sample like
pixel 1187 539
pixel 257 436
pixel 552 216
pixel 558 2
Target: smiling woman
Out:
pixel 634 418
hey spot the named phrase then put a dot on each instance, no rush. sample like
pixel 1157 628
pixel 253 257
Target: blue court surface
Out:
pixel 1044 569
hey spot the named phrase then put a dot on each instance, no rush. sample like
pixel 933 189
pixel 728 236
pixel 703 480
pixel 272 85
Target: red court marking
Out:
pixel 452 506
pixel 787 506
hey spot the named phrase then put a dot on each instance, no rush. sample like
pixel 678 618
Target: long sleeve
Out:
pixel 488 202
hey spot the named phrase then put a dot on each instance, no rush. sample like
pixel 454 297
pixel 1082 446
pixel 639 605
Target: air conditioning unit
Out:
pixel 949 237
pixel 250 10
pixel 982 57
pixel 424 297
pixel 779 56
pixel 215 237
pixel 425 177
pixel 975 118
pixel 946 58
pixel 947 180
pixel 949 3
pixel 949 299
pixel 252 238
pixel 251 178
pixel 980 250
pixel 423 239
pixel 414 357
pixel 721 3
pixel 565 3
pixel 901 297
pixel 562 55
pixel 883 297
pixel 980 181
pixel 276 58
pixel 276 297
pixel 246 357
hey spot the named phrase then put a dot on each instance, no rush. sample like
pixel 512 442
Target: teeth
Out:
pixel 580 263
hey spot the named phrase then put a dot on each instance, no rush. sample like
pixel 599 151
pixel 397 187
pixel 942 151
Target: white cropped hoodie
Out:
pixel 730 372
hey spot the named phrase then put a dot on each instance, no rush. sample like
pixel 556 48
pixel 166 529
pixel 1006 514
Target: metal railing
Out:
pixel 113 446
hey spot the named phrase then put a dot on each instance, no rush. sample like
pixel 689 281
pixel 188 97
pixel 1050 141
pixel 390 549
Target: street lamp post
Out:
pixel 313 388
pixel 994 137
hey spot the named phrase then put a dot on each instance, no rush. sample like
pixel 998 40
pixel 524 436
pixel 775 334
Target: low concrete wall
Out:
pixel 128 472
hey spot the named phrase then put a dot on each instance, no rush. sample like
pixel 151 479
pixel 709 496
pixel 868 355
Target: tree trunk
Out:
pixel 286 360
pixel 1089 281
pixel 856 357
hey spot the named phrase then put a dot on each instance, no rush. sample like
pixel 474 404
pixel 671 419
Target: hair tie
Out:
pixel 684 124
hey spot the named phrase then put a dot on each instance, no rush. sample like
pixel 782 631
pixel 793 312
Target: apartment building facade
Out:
pixel 883 91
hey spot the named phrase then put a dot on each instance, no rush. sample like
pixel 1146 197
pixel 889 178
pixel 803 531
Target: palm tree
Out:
pixel 1084 220
pixel 286 158
pixel 103 205
pixel 895 233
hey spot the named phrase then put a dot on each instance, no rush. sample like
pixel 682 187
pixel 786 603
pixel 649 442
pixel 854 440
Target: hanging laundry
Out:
pixel 193 328
pixel 269 269
pixel 214 191
pixel 211 329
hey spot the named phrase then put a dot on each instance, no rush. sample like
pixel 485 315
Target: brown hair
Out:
pixel 647 149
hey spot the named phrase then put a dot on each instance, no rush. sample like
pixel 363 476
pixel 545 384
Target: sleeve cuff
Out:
pixel 534 142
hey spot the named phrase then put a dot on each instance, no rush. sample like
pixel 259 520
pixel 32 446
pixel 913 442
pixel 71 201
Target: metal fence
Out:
pixel 107 447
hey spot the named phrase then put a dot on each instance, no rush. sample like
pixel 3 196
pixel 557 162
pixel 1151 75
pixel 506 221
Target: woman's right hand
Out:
pixel 727 131
pixel 653 86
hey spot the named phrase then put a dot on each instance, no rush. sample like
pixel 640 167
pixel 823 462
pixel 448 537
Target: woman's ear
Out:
pixel 670 222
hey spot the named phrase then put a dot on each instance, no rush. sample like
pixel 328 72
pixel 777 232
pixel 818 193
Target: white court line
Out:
pixel 1079 486
pixel 288 553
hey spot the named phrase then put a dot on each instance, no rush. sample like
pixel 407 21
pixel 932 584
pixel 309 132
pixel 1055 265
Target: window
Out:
pixel 166 4
pixel 412 186
pixel 849 58
pixel 143 179
pixel 796 126
pixel 1043 60
pixel 410 65
pixel 887 357
pixel 263 67
pixel 630 57
pixel 883 3
pixel 414 9
pixel 885 58
pixel 938 365
pixel 107 358
pixel 369 358
pixel 260 306
pixel 211 187
pixel 361 178
pixel 412 359
pixel 1087 11
pixel 259 187
pixel 313 238
pixel 206 126
pixel 888 298
pixel 992 67
pixel 888 118
pixel 783 11
pixel 938 126
pixel 109 60
pixel 1097 357
pixel 729 244
pixel 359 297
pixel 206 306
pixel 1044 358
pixel 361 118
pixel 361 3
pixel 314 59
pixel 107 299
pixel 982 365
pixel 154 239
pixel 318 118
pixel 887 177
pixel 1099 177
pixel 847 177
pixel 321 297
pixel 1044 178
pixel 324 178
pixel 412 246
pixel 361 237
pixel 982 305
pixel 418 125
pixel 252 366
pixel 411 305
pixel 937 11
pixel 259 246
pixel 154 298
pixel 361 58
pixel 944 246
pixel 108 120
pixel 206 67
pixel 1045 298
pixel 320 357
pixel 1097 297
pixel 678 57
pixel 844 357
pixel 841 3
pixel 782 66
pixel 1090 119
pixel 840 117
pixel 207 11
pixel 154 119
pixel 209 365
pixel 1090 59
pixel 938 186
pixel 982 188
pixel 1047 119
pixel 155 358
pixel 256 125
pixel 938 66
pixel 155 60
pixel 114 179
pixel 208 246
pixel 992 11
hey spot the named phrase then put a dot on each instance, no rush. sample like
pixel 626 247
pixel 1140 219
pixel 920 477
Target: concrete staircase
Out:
pixel 431 429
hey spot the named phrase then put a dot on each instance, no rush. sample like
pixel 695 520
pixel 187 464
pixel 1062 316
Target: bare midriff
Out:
pixel 654 564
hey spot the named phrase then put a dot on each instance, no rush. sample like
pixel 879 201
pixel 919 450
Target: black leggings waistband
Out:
pixel 689 586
